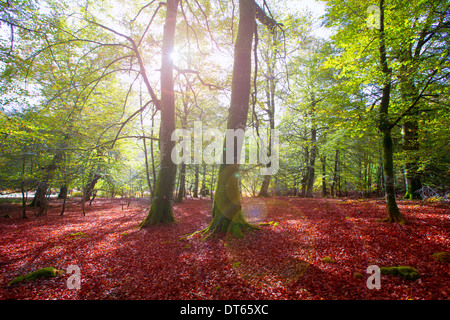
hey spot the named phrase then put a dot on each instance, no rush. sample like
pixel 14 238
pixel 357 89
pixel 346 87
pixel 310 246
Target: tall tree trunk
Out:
pixel 393 213
pixel 369 179
pixel 152 155
pixel 305 173
pixel 271 86
pixel 410 130
pixel 380 185
pixel 22 187
pixel 161 208
pixel 311 172
pixel 147 169
pixel 213 169
pixel 196 172
pixel 312 156
pixel 227 211
pixel 204 189
pixel 335 173
pixel 411 147
pixel 182 176
pixel 323 159
pixel 182 183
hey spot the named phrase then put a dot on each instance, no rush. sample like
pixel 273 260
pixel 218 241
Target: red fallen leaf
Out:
pixel 119 262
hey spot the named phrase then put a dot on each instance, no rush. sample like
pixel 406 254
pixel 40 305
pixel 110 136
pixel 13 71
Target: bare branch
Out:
pixel 150 22
pixel 142 9
pixel 128 120
pixel 261 16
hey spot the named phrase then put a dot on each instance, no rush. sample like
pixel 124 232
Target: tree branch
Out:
pixel 262 17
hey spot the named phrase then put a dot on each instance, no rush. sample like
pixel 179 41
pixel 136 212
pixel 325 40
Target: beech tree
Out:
pixel 227 215
pixel 161 208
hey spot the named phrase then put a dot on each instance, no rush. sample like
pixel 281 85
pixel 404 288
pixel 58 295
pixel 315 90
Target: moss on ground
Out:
pixel 442 256
pixel 328 260
pixel 401 271
pixel 49 272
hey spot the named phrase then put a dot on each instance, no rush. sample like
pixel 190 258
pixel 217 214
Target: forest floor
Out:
pixel 281 260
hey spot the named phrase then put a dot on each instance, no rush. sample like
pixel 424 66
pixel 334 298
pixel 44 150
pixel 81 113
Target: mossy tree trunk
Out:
pixel 227 215
pixel 393 213
pixel 161 208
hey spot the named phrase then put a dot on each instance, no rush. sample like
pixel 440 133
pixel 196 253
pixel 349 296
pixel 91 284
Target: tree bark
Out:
pixel 393 213
pixel 227 211
pixel 271 86
pixel 411 146
pixel 63 192
pixel 323 159
pixel 335 173
pixel 147 169
pixel 312 156
pixel 182 182
pixel 196 172
pixel 312 164
pixel 305 173
pixel 161 208
pixel 89 188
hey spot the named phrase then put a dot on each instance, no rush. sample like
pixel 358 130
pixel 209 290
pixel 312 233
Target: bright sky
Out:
pixel 317 8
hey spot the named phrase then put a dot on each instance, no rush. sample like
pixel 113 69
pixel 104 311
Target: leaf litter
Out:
pixel 287 257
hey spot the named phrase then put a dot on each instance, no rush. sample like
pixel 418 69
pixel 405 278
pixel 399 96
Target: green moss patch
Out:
pixel 270 223
pixel 442 256
pixel 401 271
pixel 76 236
pixel 328 260
pixel 49 272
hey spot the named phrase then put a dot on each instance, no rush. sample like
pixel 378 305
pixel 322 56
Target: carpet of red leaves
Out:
pixel 281 260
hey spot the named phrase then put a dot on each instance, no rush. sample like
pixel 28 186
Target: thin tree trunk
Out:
pixel 312 161
pixel 335 173
pixel 271 86
pixel 182 183
pixel 213 167
pixel 305 174
pixel 411 145
pixel 22 187
pixel 147 169
pixel 161 208
pixel 410 130
pixel 323 159
pixel 152 154
pixel 196 172
pixel 204 188
pixel 312 156
pixel 63 206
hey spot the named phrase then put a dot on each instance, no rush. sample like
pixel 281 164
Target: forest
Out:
pixel 217 150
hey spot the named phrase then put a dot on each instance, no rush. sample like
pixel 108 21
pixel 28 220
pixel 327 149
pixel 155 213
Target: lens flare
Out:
pixel 254 210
